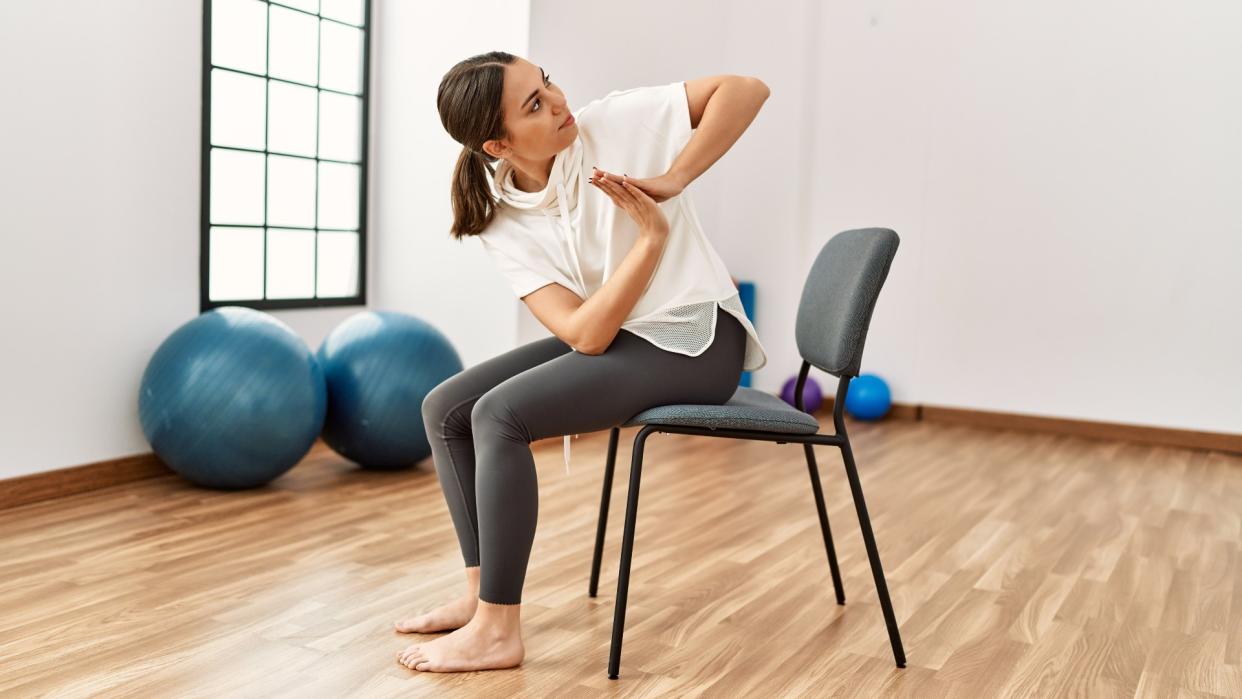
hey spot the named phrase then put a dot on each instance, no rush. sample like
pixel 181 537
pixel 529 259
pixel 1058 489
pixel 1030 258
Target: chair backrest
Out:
pixel 839 295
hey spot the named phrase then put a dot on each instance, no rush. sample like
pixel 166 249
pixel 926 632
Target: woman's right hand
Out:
pixel 652 223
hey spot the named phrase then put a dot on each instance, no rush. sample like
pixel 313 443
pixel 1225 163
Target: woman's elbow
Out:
pixel 582 344
pixel 591 348
pixel 594 345
pixel 759 86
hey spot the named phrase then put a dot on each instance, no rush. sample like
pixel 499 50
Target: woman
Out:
pixel 641 308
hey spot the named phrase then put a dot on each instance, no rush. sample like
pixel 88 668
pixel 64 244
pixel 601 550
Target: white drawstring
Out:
pixel 565 259
pixel 567 227
pixel 567 453
pixel 566 167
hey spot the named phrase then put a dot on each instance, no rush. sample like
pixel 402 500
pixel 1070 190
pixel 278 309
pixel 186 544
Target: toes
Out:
pixel 404 627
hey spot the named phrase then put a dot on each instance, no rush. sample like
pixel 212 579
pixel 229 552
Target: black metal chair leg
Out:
pixel 823 523
pixel 613 436
pixel 627 550
pixel 864 522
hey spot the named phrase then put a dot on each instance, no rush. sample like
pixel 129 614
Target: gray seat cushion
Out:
pixel 748 409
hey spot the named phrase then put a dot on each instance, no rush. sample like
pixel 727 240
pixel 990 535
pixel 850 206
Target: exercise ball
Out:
pixel 232 399
pixel 812 397
pixel 379 366
pixel 867 397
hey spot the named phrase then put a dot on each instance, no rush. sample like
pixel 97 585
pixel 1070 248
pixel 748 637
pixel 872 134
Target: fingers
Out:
pixel 638 193
pixel 634 195
pixel 602 176
pixel 622 189
pixel 616 192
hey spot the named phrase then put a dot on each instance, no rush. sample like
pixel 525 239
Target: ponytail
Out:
pixel 474 206
pixel 470 110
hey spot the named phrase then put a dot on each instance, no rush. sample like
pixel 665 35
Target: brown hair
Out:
pixel 469 101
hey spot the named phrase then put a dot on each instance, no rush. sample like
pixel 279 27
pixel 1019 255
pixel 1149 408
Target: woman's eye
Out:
pixel 547 82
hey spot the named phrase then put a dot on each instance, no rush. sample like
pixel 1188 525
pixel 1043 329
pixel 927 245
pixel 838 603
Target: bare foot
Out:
pixel 452 615
pixel 474 646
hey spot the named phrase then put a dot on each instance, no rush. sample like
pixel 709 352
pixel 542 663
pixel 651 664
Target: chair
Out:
pixel 833 315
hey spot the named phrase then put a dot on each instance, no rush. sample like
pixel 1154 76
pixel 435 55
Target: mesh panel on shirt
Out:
pixel 688 329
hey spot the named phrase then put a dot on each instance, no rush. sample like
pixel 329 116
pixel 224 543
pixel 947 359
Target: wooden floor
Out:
pixel 1020 564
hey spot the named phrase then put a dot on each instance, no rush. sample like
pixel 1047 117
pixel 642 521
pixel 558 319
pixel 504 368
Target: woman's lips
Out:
pixel 568 121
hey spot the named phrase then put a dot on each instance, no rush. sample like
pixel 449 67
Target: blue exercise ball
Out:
pixel 379 366
pixel 232 399
pixel 868 397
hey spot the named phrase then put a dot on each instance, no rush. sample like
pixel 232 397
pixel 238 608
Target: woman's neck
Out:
pixel 525 180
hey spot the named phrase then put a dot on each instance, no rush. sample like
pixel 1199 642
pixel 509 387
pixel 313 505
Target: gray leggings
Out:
pixel 481 422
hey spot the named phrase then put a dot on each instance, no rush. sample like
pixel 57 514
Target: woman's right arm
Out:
pixel 590 326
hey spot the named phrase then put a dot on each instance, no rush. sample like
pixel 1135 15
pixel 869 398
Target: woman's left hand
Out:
pixel 659 188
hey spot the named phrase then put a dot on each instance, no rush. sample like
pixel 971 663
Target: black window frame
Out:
pixel 205 225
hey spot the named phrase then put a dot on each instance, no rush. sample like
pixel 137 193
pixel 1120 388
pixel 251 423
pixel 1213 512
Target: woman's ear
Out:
pixel 496 149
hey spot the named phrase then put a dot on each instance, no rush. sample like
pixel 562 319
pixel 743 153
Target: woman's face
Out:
pixel 535 113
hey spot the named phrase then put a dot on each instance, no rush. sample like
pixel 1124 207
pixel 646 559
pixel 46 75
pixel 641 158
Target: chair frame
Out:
pixel 840 439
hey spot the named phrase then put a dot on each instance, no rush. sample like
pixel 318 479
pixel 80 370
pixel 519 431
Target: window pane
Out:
pixel 338 264
pixel 239 34
pixel 236 110
pixel 344 10
pixel 236 264
pixel 340 116
pixel 236 187
pixel 291 191
pixel 308 5
pixel 291 126
pixel 340 68
pixel 294 45
pixel 338 195
pixel 290 264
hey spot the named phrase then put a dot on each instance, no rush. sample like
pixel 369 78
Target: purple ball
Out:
pixel 812 397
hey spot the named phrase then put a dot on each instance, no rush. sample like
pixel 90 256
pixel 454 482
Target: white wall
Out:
pixel 418 268
pixel 100 179
pixel 1064 178
pixel 99 169
pixel 99 166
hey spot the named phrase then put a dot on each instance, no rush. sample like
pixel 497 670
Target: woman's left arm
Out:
pixel 728 113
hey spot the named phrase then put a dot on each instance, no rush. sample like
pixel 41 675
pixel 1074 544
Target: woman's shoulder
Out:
pixel 641 104
pixel 508 229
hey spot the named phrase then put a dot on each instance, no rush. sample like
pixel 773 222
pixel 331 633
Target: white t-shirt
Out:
pixel 573 234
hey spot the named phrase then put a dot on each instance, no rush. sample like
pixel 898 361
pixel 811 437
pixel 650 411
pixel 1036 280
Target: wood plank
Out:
pixel 1019 563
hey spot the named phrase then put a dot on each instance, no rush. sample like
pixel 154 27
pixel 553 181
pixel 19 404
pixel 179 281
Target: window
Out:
pixel 284 153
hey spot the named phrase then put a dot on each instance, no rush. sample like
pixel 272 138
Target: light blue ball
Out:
pixel 232 399
pixel 868 397
pixel 379 366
